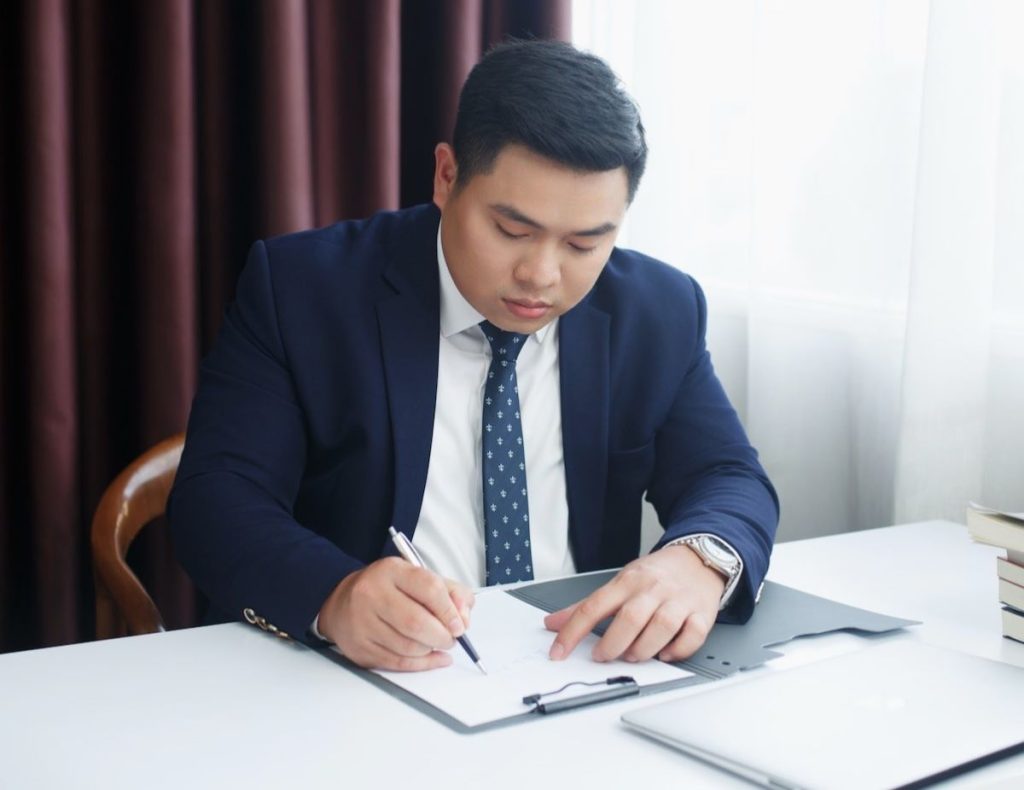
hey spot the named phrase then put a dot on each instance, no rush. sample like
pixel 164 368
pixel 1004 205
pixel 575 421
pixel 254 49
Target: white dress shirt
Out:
pixel 450 531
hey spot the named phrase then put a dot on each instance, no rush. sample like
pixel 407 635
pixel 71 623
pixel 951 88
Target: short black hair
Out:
pixel 559 102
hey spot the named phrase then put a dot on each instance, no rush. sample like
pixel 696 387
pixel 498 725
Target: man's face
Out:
pixel 525 242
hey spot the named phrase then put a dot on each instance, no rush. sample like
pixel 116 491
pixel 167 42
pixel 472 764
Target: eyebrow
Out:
pixel 517 216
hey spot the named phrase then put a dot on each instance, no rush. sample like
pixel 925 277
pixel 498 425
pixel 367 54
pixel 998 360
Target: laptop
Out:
pixel 890 715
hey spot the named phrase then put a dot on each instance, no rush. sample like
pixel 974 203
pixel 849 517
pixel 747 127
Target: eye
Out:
pixel 580 249
pixel 507 233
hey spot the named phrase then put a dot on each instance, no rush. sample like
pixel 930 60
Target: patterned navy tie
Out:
pixel 506 508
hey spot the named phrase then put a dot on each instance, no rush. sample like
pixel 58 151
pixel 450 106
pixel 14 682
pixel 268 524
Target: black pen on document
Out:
pixel 408 551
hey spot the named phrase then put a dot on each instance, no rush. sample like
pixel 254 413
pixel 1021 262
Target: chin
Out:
pixel 513 320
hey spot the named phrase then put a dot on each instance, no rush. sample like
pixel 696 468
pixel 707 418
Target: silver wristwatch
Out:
pixel 719 556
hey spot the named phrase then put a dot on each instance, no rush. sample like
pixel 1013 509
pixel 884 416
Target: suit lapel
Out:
pixel 409 321
pixel 583 337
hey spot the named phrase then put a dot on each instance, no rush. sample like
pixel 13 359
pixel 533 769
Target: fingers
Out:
pixel 584 616
pixel 555 620
pixel 690 638
pixel 429 591
pixel 404 653
pixel 663 605
pixel 372 654
pixel 434 660
pixel 393 615
pixel 642 627
pixel 462 597
pixel 393 641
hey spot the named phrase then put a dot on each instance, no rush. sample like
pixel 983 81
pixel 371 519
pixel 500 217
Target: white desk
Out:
pixel 228 706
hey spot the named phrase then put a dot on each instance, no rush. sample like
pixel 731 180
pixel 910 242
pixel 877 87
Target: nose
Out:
pixel 540 268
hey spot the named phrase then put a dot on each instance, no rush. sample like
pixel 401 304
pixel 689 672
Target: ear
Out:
pixel 445 173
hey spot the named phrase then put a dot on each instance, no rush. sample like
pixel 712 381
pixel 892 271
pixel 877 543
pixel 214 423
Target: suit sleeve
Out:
pixel 707 476
pixel 230 510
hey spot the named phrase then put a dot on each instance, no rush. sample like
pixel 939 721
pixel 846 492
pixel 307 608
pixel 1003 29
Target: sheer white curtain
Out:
pixel 846 179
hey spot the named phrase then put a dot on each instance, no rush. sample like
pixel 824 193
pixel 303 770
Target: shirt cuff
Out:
pixel 316 631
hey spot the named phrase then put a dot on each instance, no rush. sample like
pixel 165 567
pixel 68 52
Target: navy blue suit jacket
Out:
pixel 310 432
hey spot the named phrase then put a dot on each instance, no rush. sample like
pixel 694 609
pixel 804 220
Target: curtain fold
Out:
pixel 163 253
pixel 355 107
pixel 53 437
pixel 946 363
pixel 143 148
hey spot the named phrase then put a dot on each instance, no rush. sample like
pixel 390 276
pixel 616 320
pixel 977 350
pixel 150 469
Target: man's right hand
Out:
pixel 393 615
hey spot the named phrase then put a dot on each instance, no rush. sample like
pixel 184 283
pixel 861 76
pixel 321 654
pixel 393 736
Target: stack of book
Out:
pixel 1005 530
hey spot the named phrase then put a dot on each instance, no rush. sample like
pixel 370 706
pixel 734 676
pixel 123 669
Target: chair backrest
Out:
pixel 136 497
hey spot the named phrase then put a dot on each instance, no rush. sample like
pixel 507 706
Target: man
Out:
pixel 492 377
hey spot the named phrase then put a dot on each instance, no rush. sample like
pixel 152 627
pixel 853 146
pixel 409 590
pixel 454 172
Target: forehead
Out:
pixel 550 193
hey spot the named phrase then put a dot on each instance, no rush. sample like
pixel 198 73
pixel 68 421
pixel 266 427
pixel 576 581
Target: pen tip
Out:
pixel 481 667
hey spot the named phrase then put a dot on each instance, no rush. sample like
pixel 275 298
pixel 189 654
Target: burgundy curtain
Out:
pixel 143 147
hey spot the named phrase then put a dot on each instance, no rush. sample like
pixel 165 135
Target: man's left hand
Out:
pixel 664 605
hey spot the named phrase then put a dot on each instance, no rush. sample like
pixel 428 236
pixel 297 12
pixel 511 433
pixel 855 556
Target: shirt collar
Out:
pixel 458 315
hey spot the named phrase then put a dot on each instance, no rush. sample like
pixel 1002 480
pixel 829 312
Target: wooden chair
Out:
pixel 136 497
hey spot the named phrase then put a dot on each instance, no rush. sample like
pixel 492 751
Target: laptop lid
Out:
pixel 885 716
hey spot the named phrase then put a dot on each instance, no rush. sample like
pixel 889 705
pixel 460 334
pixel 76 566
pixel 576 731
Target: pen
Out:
pixel 408 551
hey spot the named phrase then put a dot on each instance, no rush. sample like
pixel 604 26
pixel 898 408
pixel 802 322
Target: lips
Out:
pixel 527 308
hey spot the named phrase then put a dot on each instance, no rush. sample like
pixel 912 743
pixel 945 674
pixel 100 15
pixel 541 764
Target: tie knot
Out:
pixel 504 345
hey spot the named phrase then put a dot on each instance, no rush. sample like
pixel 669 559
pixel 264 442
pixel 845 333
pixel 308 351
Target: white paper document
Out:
pixel 513 644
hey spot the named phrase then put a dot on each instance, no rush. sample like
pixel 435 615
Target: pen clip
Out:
pixel 619 686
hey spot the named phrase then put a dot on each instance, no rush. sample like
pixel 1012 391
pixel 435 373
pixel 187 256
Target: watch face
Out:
pixel 718 554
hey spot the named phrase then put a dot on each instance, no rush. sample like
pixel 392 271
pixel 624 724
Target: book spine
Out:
pixel 1009 571
pixel 1013 624
pixel 996 530
pixel 1011 594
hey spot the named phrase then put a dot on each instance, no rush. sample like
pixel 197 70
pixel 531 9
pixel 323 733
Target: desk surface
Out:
pixel 228 706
